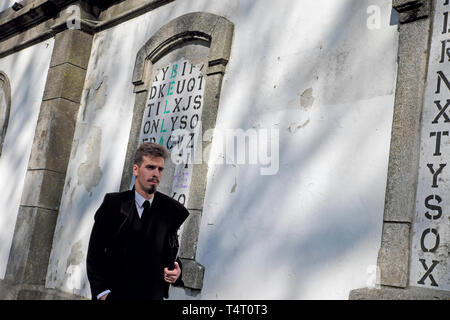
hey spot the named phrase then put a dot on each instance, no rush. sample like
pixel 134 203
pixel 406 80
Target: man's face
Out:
pixel 148 174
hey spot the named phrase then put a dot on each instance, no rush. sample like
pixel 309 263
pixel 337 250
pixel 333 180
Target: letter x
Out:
pixel 441 111
pixel 177 103
pixel 428 272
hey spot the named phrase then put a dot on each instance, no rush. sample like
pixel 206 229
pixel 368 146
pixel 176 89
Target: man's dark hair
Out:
pixel 149 149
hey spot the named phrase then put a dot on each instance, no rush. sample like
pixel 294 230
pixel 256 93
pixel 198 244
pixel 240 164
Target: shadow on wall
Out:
pixel 291 245
pixel 23 70
pixel 254 220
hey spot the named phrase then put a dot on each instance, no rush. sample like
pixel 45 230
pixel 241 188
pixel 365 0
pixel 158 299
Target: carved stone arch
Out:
pixel 214 33
pixel 5 106
pixel 215 30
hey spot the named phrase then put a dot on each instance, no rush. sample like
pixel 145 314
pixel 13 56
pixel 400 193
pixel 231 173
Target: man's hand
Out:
pixel 171 276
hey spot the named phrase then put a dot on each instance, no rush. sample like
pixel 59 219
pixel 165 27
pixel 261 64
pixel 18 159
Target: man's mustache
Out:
pixel 153 180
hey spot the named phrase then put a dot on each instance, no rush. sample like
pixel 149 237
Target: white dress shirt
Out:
pixel 139 201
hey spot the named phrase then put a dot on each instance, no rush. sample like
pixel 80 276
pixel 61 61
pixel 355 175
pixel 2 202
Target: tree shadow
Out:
pixel 272 235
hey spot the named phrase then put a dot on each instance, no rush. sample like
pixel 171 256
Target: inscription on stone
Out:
pixel 172 118
pixel 430 252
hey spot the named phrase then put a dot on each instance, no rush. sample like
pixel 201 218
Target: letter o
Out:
pixel 190 84
pixel 146 127
pixel 422 240
pixel 182 199
pixel 196 122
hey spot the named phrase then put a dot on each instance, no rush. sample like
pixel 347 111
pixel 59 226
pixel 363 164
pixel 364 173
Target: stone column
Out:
pixel 415 23
pixel 44 182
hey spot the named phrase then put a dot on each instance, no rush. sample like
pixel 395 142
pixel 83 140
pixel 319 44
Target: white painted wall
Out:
pixel 310 231
pixel 27 73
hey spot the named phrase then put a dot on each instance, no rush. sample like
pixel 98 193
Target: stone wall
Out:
pixel 404 260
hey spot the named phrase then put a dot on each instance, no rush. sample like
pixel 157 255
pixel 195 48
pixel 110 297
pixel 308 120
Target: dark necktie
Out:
pixel 146 213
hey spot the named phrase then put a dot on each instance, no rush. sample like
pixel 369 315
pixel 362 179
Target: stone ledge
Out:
pixel 193 273
pixel 391 293
pixel 35 22
pixel 11 291
pixel 41 30
pixel 33 12
pixel 123 11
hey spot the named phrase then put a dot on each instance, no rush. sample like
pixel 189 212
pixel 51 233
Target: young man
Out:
pixel 133 244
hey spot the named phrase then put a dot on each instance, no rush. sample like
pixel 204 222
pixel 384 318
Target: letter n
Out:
pixel 441 76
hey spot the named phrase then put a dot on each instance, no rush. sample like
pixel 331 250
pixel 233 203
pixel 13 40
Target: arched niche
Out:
pixel 198 43
pixel 5 107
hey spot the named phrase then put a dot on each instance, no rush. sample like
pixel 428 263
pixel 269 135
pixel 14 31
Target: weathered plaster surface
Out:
pixel 326 82
pixel 89 172
pixel 318 221
pixel 27 72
